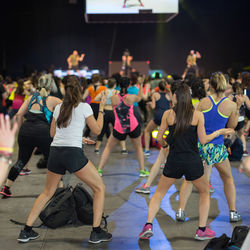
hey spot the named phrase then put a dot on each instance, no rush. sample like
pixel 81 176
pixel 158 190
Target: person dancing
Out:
pixel 34 131
pixel 73 61
pixel 185 125
pixel 125 124
pixel 161 103
pixel 125 1
pixel 66 153
pixel 191 63
pixel 218 111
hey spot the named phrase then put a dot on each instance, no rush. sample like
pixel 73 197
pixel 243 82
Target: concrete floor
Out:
pixel 127 210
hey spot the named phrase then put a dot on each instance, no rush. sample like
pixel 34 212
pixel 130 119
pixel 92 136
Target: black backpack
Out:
pixel 60 210
pixel 219 243
pixel 83 204
pixel 238 236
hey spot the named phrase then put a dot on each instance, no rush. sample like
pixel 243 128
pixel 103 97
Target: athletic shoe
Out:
pixel 124 152
pixel 99 237
pixel 147 152
pixel 124 6
pixel 100 172
pixel 211 189
pixel 245 153
pixel 142 5
pixel 234 216
pixel 143 189
pixel 6 192
pixel 147 232
pixel 206 235
pixel 144 173
pixel 25 171
pixel 180 215
pixel 25 236
pixel 97 151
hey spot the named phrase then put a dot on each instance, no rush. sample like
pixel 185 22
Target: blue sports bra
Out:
pixel 36 99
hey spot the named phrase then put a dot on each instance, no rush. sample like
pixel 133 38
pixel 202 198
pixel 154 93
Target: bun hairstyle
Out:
pixel 72 98
pixel 198 90
pixel 183 109
pixel 162 85
pixel 218 82
pixel 45 84
pixel 124 84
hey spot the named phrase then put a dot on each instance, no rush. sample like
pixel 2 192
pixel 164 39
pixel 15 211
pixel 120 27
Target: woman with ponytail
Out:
pixel 125 124
pixel 185 125
pixel 34 131
pixel 69 120
pixel 219 111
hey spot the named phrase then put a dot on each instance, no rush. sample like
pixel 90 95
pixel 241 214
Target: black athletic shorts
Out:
pixel 66 158
pixel 191 171
pixel 134 134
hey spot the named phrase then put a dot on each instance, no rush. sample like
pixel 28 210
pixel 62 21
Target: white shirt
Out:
pixel 71 136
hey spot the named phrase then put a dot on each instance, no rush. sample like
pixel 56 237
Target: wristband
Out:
pixel 101 112
pixel 166 146
pixel 6 149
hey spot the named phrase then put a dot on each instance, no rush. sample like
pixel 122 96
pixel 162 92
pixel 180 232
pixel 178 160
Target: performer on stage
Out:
pixel 126 63
pixel 74 59
pixel 191 63
pixel 125 1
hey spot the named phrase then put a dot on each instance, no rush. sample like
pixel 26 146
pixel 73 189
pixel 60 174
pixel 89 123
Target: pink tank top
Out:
pixel 125 120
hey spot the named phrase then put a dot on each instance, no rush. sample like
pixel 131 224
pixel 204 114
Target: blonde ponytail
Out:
pixel 218 82
pixel 43 92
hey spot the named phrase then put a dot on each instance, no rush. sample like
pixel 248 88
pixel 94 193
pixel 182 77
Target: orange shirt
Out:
pixel 93 93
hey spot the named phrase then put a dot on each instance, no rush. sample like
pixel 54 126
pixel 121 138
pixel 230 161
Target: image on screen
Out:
pixel 131 6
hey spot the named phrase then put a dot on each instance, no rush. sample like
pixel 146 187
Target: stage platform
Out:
pixel 127 210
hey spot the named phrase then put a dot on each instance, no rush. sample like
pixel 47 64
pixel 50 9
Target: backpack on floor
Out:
pixel 219 243
pixel 83 204
pixel 60 210
pixel 238 237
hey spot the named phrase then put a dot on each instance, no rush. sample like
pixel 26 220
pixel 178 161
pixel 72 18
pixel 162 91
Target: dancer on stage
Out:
pixel 125 1
pixel 74 59
pixel 126 63
pixel 191 63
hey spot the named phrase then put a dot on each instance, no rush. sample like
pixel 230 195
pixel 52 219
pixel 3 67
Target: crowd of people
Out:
pixel 56 116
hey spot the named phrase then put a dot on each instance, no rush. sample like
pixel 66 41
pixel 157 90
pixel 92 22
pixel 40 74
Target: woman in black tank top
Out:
pixel 185 126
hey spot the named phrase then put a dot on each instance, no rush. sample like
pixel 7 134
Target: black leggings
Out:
pixel 109 118
pixel 26 146
pixel 143 106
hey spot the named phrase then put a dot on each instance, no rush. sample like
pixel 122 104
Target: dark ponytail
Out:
pixel 124 84
pixel 184 109
pixel 71 100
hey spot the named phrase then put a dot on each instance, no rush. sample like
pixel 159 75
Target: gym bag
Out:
pixel 60 210
pixel 238 236
pixel 83 204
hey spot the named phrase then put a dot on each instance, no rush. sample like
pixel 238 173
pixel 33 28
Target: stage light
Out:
pixel 110 62
pixel 148 62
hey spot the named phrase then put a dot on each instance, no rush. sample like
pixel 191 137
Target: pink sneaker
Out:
pixel 206 235
pixel 147 232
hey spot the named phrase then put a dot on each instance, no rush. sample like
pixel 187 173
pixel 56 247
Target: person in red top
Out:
pixel 93 90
